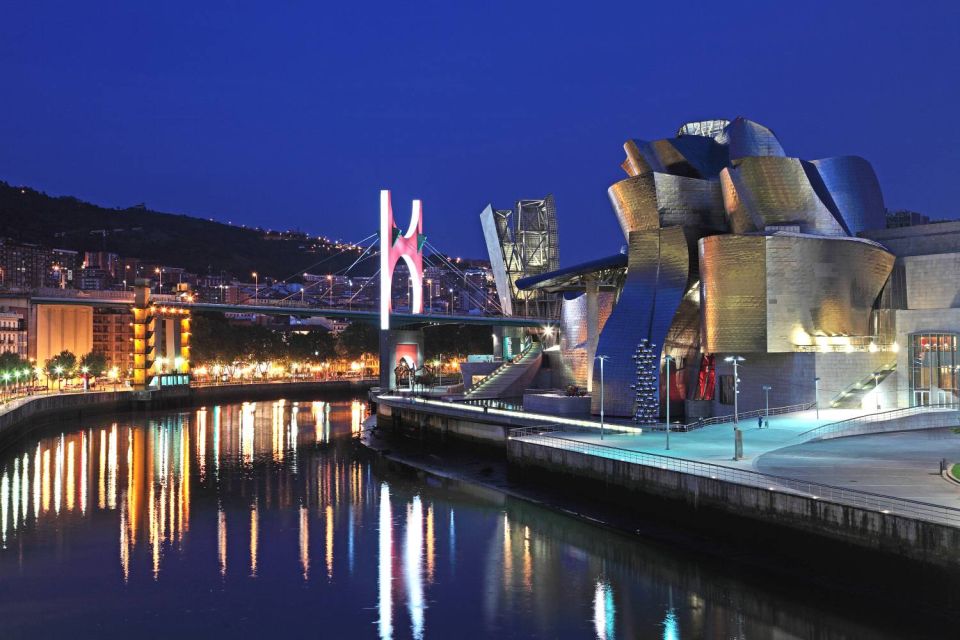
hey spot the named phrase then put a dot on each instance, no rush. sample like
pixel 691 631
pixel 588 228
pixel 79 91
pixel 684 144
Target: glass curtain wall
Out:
pixel 933 369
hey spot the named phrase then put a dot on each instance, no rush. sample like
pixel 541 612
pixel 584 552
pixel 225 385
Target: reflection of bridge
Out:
pixel 290 308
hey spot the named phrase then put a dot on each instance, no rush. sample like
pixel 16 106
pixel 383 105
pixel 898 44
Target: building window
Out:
pixel 933 369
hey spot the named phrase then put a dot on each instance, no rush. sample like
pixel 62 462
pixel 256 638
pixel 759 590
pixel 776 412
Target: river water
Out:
pixel 267 519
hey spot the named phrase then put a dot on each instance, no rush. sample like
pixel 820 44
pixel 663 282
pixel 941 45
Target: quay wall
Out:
pixel 18 416
pixel 884 532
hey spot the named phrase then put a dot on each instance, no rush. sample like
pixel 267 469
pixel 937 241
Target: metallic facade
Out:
pixel 523 243
pixel 773 293
pixel 733 247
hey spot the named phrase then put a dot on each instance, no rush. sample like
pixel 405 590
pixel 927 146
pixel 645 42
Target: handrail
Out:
pixel 877 416
pixel 774 411
pixel 493 373
pixel 916 509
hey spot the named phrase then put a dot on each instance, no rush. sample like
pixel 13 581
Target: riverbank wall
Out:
pixel 23 414
pixel 701 497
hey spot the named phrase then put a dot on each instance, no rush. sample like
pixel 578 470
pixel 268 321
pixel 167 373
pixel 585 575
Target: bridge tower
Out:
pixel 395 246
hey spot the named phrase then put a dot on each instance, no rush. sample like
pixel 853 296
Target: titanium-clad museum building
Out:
pixel 733 248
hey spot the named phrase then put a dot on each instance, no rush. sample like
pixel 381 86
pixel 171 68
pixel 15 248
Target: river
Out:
pixel 268 519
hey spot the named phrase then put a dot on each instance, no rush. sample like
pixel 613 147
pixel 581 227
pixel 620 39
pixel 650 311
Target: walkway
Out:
pixel 715 443
pixel 903 464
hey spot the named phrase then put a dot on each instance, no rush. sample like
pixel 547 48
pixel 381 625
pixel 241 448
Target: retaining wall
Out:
pixel 906 537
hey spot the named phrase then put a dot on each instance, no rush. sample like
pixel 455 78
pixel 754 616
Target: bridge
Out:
pixel 162 323
pixel 291 308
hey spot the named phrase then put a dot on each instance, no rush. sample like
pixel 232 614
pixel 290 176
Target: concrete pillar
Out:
pixel 593 327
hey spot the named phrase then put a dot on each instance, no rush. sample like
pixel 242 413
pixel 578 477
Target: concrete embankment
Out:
pixel 705 497
pixel 886 532
pixel 19 416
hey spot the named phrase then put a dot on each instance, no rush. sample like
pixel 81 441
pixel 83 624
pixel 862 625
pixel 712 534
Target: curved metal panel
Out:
pixel 855 190
pixel 733 293
pixel 738 217
pixel 771 293
pixel 577 345
pixel 652 200
pixel 634 202
pixel 656 281
pixel 777 192
pixel 749 139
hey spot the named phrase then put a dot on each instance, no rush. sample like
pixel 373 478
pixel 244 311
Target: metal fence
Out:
pixel 744 415
pixel 879 416
pixel 861 499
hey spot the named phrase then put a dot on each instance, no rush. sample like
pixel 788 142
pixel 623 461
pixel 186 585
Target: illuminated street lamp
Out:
pixel 876 387
pixel 602 359
pixel 736 387
pixel 59 371
pixel 159 271
pixel 668 359
pixel 816 395
pixel 256 287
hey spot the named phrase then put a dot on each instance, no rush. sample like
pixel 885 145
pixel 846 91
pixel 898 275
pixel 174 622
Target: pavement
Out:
pixel 899 464
pixel 902 464
pixel 715 443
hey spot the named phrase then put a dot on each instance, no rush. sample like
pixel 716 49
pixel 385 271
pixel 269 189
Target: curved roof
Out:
pixel 570 278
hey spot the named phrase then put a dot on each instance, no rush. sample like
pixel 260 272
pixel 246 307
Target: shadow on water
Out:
pixel 269 518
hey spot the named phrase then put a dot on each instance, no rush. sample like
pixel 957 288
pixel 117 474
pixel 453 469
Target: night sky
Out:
pixel 295 114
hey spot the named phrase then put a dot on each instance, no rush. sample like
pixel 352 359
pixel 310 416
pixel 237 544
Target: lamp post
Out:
pixel 766 393
pixel 451 301
pixel 159 271
pixel 601 359
pixel 330 284
pixel 736 387
pixel 256 287
pixel 667 359
pixel 876 387
pixel 429 295
pixel 816 395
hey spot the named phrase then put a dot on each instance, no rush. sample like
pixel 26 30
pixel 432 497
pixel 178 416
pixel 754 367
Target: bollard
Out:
pixel 738 444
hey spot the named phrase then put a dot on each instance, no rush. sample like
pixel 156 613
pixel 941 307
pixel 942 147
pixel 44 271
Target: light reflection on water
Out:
pixel 264 512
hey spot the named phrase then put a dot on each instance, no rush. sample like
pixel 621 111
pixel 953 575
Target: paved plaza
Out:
pixel 900 464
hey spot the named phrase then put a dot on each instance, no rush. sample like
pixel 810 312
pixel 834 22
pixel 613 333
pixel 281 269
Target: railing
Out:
pixel 743 415
pixel 879 416
pixel 860 499
pixel 501 368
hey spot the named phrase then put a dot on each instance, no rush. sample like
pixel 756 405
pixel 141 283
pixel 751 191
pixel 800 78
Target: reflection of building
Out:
pixel 522 243
pixel 733 248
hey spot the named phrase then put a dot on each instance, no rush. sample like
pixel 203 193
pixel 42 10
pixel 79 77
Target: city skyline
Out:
pixel 301 125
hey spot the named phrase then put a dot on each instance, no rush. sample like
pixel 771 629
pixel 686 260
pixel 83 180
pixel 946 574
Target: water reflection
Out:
pixel 268 500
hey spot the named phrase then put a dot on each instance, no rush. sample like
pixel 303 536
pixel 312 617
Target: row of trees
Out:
pixel 214 340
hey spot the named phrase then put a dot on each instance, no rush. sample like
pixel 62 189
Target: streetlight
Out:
pixel 256 287
pixel 159 271
pixel 816 395
pixel 736 387
pixel 59 371
pixel 451 301
pixel 876 387
pixel 766 392
pixel 601 359
pixel 429 295
pixel 668 359
pixel 330 284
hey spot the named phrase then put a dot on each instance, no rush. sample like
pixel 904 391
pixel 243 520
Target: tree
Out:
pixel 12 362
pixel 95 363
pixel 62 364
pixel 357 339
pixel 313 346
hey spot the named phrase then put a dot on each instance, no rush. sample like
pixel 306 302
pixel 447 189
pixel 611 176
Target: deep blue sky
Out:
pixel 294 114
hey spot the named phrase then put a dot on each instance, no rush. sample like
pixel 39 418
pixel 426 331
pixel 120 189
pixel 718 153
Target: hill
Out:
pixel 198 245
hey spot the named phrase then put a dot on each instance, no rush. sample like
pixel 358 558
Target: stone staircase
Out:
pixel 852 396
pixel 499 383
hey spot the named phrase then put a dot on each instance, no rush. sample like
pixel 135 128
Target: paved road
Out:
pixel 903 464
